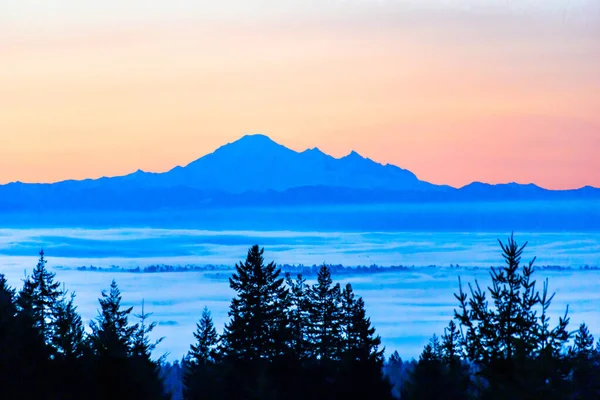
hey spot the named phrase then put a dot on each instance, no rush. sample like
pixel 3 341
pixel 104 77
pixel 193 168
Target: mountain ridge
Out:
pixel 264 140
pixel 255 170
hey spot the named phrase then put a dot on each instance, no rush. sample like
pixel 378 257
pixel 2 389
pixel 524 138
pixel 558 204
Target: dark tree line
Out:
pixel 45 352
pixel 286 339
pixel 503 346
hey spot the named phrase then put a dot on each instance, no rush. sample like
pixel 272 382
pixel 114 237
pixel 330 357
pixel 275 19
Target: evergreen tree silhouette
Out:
pixel 201 378
pixel 325 317
pixel 516 352
pixel 586 367
pixel 36 304
pixel 111 343
pixel 145 371
pixel 41 294
pixel 111 333
pixel 18 362
pixel 258 334
pixel 207 341
pixel 362 359
pixel 70 364
pixel 428 378
pixel 299 316
pixel 69 331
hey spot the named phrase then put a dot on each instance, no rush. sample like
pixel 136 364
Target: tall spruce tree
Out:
pixel 451 344
pixel 299 316
pixel 257 329
pixel 258 333
pixel 585 382
pixel 12 368
pixel 347 317
pixel 515 351
pixel 201 378
pixel 145 372
pixel 69 331
pixel 111 334
pixel 141 345
pixel 362 359
pixel 32 372
pixel 207 341
pixel 71 375
pixel 325 317
pixel 111 342
pixel 428 378
pixel 41 295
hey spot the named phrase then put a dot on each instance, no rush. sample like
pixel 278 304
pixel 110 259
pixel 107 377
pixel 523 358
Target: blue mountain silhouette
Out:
pixel 256 171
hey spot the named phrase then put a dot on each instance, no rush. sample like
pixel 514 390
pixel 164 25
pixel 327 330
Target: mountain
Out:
pixel 257 163
pixel 255 171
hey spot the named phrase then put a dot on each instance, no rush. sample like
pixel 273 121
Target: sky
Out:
pixel 455 91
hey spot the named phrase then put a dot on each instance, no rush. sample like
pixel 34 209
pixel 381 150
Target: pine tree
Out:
pixel 24 355
pixel 585 383
pixel 207 341
pixel 37 303
pixel 362 360
pixel 512 345
pixel 69 331
pixel 258 321
pixel 363 344
pixel 428 378
pixel 451 344
pixel 299 316
pixel 347 328
pixel 111 333
pixel 111 342
pixel 201 378
pixel 325 317
pixel 258 334
pixel 145 371
pixel 41 295
pixel 70 364
pixel 583 343
pixel 141 345
pixel 11 372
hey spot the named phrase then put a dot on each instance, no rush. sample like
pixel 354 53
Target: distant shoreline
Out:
pixel 308 270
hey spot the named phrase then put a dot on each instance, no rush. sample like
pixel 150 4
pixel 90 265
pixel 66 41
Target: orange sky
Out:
pixel 455 93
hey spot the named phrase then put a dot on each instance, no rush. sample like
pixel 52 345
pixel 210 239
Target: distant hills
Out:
pixel 255 171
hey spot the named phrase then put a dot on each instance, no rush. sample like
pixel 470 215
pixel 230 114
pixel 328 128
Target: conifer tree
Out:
pixel 428 378
pixel 23 343
pixel 69 330
pixel 325 317
pixel 111 333
pixel 111 342
pixel 584 342
pixel 347 329
pixel 512 344
pixel 41 295
pixel 258 333
pixel 362 360
pixel 299 316
pixel 451 344
pixel 201 377
pixel 364 344
pixel 207 341
pixel 141 345
pixel 145 371
pixel 586 369
pixel 11 369
pixel 258 320
pixel 70 366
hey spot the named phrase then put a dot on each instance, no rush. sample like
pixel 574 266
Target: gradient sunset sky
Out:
pixel 455 91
